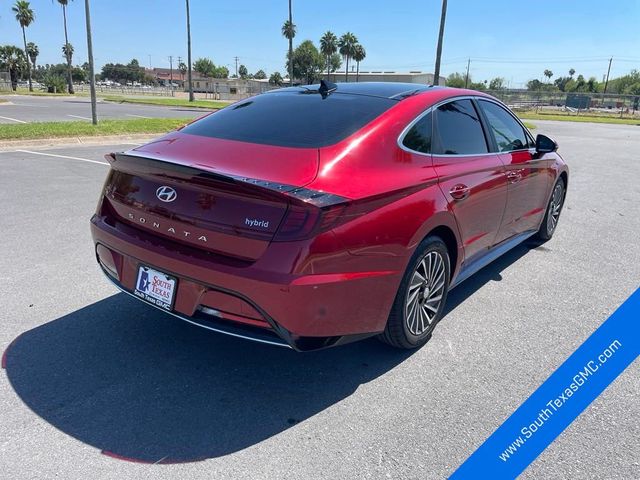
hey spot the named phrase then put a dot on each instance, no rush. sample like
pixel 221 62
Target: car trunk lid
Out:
pixel 206 193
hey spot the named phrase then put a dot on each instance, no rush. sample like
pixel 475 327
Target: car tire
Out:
pixel 552 215
pixel 421 297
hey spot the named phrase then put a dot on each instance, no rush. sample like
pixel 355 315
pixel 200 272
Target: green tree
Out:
pixel 477 85
pixel 12 59
pixel 359 54
pixel 276 79
pixel 289 32
pixel 33 52
pixel 204 66
pixel 346 46
pixel 67 52
pixel 335 62
pixel 25 17
pixel 455 80
pixel 328 48
pixel 221 72
pixel 182 67
pixel 260 75
pixel 548 73
pixel 496 83
pixel 633 89
pixel 307 62
pixel 243 72
pixel 64 4
pixel 572 71
pixel 623 84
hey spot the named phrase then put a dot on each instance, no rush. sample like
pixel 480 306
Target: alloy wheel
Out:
pixel 425 293
pixel 555 206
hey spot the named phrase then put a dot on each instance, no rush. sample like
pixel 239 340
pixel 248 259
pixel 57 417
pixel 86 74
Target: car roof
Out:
pixel 391 90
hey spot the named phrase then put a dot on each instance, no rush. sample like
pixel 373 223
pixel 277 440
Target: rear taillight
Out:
pixel 313 212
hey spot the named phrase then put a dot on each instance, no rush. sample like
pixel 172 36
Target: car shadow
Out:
pixel 142 386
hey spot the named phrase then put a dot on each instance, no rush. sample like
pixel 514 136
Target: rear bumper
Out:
pixel 303 312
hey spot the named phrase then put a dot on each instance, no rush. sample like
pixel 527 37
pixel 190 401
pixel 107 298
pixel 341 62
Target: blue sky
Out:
pixel 514 40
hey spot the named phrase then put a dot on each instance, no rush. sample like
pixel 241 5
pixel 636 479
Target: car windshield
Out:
pixel 292 118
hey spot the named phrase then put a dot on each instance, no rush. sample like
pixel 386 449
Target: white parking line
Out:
pixel 132 115
pixel 78 116
pixel 62 156
pixel 30 105
pixel 13 119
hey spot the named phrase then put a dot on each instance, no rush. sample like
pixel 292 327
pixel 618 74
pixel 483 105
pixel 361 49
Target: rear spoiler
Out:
pixel 131 162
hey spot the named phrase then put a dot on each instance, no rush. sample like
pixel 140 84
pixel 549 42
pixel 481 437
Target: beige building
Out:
pixel 405 77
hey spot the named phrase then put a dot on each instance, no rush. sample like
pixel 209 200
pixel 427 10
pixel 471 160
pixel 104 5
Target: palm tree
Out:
pixel 359 54
pixel 346 45
pixel 328 46
pixel 191 97
pixel 548 73
pixel 182 67
pixel 443 17
pixel 33 52
pixel 25 17
pixel 67 51
pixel 289 32
pixel 572 72
pixel 64 4
pixel 12 58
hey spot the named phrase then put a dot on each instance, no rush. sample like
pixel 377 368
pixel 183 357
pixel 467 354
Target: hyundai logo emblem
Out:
pixel 166 194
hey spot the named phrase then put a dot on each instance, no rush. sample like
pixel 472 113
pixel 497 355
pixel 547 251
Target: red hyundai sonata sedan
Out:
pixel 313 216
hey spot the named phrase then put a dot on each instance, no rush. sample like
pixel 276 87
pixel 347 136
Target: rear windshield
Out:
pixel 292 119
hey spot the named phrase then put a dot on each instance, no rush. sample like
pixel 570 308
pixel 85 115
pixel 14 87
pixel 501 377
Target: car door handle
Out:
pixel 514 176
pixel 459 191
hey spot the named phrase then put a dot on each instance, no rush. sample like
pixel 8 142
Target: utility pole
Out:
pixel 443 16
pixel 150 67
pixel 171 73
pixel 191 98
pixel 606 82
pixel 92 76
pixel 236 59
pixel 466 78
pixel 291 48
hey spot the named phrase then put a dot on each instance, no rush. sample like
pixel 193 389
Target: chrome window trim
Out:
pixel 526 131
pixel 410 125
pixel 406 129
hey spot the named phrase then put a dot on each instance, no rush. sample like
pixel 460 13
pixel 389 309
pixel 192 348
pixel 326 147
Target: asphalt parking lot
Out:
pixel 26 109
pixel 95 381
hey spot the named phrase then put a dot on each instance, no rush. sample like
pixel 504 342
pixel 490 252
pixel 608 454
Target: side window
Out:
pixel 508 133
pixel 457 129
pixel 418 138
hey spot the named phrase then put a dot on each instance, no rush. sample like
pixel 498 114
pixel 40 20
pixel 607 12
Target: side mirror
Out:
pixel 545 145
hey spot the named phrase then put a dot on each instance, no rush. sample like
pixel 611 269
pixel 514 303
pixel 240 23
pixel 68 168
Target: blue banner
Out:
pixel 560 399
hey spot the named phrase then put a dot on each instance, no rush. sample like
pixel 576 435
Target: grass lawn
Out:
pixel 30 131
pixel 170 102
pixel 529 125
pixel 578 118
pixel 40 93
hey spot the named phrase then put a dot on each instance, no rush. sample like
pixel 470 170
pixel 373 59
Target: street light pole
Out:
pixel 92 76
pixel 443 16
pixel 191 97
pixel 606 83
pixel 466 78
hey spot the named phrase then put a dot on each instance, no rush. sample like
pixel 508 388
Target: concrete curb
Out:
pixel 9 145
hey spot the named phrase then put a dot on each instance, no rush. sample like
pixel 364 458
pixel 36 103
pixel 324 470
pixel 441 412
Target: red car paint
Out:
pixel 341 279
